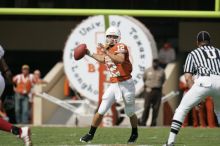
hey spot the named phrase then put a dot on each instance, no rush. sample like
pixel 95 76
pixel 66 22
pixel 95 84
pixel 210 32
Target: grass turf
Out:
pixel 66 136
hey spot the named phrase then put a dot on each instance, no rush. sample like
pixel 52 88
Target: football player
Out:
pixel 115 56
pixel 22 132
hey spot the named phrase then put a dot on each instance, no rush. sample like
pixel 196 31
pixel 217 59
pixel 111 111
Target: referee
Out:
pixel 204 64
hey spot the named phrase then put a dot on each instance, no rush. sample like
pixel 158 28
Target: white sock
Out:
pixel 175 127
pixel 171 138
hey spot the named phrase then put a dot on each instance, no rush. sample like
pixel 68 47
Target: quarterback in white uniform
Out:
pixel 116 58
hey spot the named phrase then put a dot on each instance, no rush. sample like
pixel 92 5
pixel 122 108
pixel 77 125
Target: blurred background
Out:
pixel 48 33
pixel 39 40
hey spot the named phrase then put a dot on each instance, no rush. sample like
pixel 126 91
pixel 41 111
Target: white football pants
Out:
pixel 117 92
pixel 204 86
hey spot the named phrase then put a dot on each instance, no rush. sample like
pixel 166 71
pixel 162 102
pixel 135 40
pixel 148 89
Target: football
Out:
pixel 80 51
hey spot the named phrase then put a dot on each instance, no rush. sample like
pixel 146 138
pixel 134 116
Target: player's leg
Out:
pixel 134 131
pixel 189 100
pixel 107 100
pixel 128 93
pixel 130 111
pixel 216 101
pixel 23 132
pixel 215 96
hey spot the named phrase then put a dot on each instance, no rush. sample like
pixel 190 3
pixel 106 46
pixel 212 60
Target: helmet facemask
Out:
pixel 112 39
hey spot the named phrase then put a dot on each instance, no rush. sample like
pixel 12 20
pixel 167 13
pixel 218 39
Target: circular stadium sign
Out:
pixel 84 74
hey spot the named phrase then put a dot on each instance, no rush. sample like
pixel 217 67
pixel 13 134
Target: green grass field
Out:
pixel 67 136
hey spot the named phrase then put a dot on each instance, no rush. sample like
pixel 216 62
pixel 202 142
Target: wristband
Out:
pixel 89 53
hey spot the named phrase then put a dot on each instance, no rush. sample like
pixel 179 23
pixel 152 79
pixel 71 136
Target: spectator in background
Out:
pixel 154 78
pixel 37 80
pixel 37 77
pixel 24 83
pixel 166 55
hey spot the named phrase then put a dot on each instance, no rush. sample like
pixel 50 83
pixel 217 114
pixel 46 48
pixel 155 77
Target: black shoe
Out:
pixel 172 144
pixel 86 138
pixel 132 138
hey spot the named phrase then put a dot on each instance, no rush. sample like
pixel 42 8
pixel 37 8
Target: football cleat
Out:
pixel 87 138
pixel 172 144
pixel 132 138
pixel 25 135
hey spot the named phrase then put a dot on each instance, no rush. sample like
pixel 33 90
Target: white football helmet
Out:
pixel 113 35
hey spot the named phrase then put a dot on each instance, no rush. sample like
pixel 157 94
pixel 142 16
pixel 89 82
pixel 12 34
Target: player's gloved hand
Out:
pixel 103 48
pixel 89 53
pixel 100 46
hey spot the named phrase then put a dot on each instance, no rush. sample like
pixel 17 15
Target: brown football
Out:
pixel 80 51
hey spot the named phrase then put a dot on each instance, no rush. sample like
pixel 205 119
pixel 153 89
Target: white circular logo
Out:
pixel 84 74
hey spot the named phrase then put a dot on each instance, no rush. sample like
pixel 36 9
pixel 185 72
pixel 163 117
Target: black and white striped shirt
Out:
pixel 204 60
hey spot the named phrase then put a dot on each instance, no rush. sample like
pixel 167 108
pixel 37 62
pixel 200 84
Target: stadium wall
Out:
pixel 35 35
pixel 43 109
pixel 188 32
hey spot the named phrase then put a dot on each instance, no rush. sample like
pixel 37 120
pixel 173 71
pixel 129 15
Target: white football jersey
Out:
pixel 2 52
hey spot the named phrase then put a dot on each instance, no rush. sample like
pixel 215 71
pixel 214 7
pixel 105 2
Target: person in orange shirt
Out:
pixel 37 77
pixel 24 83
pixel 115 56
pixel 36 80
